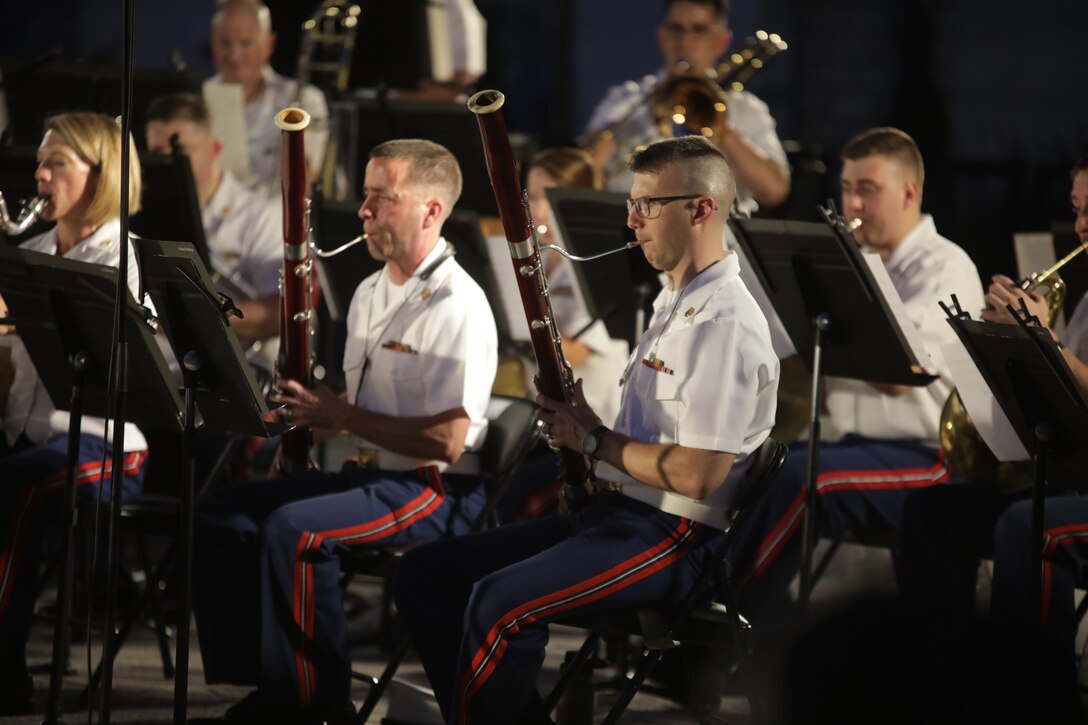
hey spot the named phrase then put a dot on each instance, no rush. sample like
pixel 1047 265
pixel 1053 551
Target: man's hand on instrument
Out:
pixel 1004 291
pixel 566 424
pixel 318 407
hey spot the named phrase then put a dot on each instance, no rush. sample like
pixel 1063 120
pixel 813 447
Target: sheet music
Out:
pixel 438 34
pixel 989 419
pixel 226 105
pixel 498 253
pixel 899 312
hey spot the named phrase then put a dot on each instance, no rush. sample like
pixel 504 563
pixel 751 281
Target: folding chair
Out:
pixel 512 432
pixel 708 616
pixel 155 513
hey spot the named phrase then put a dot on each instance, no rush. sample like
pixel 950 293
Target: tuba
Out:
pixel 555 378
pixel 964 450
pixel 296 355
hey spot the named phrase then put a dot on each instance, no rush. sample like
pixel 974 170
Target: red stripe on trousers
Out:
pixel 29 500
pixel 470 685
pixel 772 544
pixel 367 532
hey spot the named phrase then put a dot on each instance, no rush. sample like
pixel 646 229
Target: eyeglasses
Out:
pixel 649 207
pixel 700 31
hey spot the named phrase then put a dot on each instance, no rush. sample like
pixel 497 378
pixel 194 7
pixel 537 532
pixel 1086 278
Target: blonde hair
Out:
pixel 97 140
pixel 569 166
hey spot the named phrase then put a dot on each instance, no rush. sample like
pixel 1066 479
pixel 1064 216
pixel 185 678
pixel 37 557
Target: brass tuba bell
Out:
pixel 964 450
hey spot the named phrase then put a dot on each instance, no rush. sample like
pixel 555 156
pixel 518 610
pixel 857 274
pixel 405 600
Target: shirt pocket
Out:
pixel 406 371
pixel 656 385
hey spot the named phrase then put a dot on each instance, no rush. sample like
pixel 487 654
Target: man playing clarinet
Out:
pixel 698 398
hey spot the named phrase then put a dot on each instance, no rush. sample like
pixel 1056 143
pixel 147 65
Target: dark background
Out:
pixel 989 88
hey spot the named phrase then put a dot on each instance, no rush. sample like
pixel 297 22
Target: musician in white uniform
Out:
pixel 79 168
pixel 692 37
pixel 420 361
pixel 879 442
pixel 244 230
pixel 242 43
pixel 478 606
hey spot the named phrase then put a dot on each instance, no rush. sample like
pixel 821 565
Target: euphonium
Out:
pixel 964 450
pixel 296 356
pixel 29 214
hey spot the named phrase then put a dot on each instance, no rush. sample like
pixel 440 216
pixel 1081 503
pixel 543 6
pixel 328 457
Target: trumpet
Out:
pixel 31 210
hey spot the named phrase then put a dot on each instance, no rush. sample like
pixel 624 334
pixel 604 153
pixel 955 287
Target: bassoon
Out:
pixel 296 354
pixel 555 378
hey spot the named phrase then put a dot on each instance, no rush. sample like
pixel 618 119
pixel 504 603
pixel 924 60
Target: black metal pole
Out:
pixel 1043 435
pixel 820 325
pixel 68 523
pixel 191 363
pixel 120 366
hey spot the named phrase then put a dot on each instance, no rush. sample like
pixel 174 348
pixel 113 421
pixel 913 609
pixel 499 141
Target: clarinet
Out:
pixel 296 354
pixel 555 378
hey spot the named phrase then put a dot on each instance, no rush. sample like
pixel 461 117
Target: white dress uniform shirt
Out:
pixel 245 237
pixel 263 136
pixel 422 348
pixel 925 268
pixel 601 370
pixel 703 375
pixel 628 104
pixel 29 408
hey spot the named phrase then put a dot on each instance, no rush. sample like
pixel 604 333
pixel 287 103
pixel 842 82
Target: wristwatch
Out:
pixel 592 441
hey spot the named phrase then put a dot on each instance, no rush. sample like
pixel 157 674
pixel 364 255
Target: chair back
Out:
pixel 512 431
pixel 768 461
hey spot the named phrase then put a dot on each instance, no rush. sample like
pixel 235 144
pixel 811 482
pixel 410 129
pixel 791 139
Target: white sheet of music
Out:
pixel 989 419
pixel 226 105
pixel 899 312
pixel 498 252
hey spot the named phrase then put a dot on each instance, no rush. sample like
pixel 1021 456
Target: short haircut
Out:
pixel 705 166
pixel 569 166
pixel 96 138
pixel 264 17
pixel 890 143
pixel 180 107
pixel 720 7
pixel 1079 167
pixel 430 165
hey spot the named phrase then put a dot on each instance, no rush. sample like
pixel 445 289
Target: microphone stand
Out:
pixel 120 366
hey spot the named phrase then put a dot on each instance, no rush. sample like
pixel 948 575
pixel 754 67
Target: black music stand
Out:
pixel 619 288
pixel 837 318
pixel 169 206
pixel 218 381
pixel 60 308
pixel 1035 388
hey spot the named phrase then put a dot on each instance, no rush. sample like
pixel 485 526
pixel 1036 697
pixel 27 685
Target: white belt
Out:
pixel 712 511
pixel 379 458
